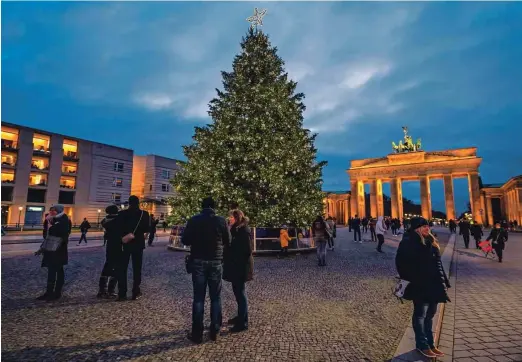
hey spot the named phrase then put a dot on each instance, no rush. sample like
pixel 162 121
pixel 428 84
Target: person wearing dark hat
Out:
pixel 132 225
pixel 418 262
pixel 113 254
pixel 57 226
pixel 207 234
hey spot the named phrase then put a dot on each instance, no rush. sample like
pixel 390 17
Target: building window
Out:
pixel 165 187
pixel 117 182
pixel 165 174
pixel 118 166
pixel 116 198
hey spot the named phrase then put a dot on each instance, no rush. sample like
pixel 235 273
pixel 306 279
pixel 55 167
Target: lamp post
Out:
pixel 20 214
pixel 99 211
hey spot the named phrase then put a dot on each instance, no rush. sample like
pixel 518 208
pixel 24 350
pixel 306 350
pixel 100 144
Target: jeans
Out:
pixel 206 273
pixel 357 231
pixel 242 303
pixel 331 242
pixel 55 279
pixel 321 251
pixel 83 237
pixel 422 322
pixel 137 262
pixel 374 236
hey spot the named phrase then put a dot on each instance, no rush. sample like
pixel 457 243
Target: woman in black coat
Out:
pixel 498 236
pixel 57 224
pixel 238 268
pixel 418 261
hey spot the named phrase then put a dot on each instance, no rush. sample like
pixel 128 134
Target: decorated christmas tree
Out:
pixel 256 153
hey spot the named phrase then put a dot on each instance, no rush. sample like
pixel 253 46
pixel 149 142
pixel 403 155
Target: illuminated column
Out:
pixel 373 198
pixel 380 202
pixel 353 198
pixel 396 198
pixel 518 200
pixel 448 196
pixel 502 206
pixel 483 207
pixel 489 210
pixel 474 196
pixel 425 197
pixel 346 213
pixel 361 204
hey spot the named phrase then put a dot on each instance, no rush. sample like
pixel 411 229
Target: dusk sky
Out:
pixel 140 75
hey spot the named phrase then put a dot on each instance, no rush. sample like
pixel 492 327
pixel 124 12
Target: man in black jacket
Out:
pixel 84 228
pixel 206 234
pixel 356 226
pixel 136 222
pixel 113 254
pixel 464 228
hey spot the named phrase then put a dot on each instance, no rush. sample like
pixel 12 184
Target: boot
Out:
pixel 49 291
pixel 102 292
pixel 111 290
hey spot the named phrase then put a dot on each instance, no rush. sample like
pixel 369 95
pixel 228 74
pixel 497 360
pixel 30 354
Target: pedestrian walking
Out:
pixel 153 228
pixel 320 233
pixel 380 230
pixel 238 268
pixel 333 228
pixel 498 237
pixel 284 239
pixel 113 255
pixel 476 231
pixel 356 226
pixel 464 228
pixel 372 229
pixel 133 225
pixel 206 234
pixel 56 226
pixel 84 228
pixel 418 262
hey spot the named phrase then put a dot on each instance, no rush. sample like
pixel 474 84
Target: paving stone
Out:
pixel 483 359
pixel 499 358
pixel 460 354
pixel 297 311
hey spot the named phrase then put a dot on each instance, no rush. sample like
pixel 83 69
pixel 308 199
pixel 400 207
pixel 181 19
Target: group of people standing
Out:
pixel 125 232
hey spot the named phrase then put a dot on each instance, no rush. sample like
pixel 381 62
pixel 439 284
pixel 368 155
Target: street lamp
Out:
pixel 99 211
pixel 20 214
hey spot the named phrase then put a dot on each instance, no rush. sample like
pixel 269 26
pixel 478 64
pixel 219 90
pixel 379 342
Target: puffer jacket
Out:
pixel 284 238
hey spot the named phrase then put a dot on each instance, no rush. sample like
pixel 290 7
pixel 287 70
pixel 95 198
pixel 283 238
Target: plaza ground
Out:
pixel 298 311
pixel 484 321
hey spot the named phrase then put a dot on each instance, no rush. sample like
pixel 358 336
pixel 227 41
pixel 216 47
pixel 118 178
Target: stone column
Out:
pixel 474 196
pixel 396 198
pixel 346 212
pixel 502 206
pixel 353 198
pixel 373 198
pixel 448 196
pixel 489 210
pixel 380 201
pixel 361 202
pixel 425 197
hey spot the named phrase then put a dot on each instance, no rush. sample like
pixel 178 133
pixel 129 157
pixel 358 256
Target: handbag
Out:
pixel 51 243
pixel 130 236
pixel 400 288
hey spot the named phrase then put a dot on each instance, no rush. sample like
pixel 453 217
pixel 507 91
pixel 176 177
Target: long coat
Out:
pixel 420 264
pixel 61 228
pixel 238 263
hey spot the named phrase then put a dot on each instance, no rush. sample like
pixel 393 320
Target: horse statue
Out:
pixel 409 145
pixel 395 148
pixel 418 145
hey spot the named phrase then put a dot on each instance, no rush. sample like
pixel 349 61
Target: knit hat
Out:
pixel 58 207
pixel 417 222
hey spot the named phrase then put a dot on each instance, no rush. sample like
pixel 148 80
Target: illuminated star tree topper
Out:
pixel 257 18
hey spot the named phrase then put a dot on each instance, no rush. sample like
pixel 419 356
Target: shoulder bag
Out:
pixel 130 236
pixel 51 243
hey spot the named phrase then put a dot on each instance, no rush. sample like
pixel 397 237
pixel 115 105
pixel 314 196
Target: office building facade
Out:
pixel 41 168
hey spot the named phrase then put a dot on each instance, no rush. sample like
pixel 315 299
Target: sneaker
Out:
pixel 136 296
pixel 360 241
pixel 437 351
pixel 427 353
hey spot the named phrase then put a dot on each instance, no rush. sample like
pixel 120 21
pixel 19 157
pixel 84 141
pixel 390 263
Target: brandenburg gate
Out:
pixel 410 163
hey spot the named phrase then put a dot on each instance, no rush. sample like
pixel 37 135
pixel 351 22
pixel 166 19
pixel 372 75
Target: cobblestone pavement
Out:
pixel 484 322
pixel 298 311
